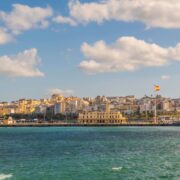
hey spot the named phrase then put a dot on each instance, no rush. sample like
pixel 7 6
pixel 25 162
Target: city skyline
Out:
pixel 157 95
pixel 81 48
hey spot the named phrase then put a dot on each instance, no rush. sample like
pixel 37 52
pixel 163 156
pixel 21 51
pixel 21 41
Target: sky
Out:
pixel 89 48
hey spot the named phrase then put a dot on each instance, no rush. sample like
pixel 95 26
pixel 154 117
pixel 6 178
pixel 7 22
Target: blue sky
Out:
pixel 59 47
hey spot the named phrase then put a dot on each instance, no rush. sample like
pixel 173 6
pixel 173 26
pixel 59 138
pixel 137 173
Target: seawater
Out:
pixel 90 153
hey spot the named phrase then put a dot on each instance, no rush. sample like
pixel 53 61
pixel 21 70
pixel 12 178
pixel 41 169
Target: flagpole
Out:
pixel 157 88
pixel 155 113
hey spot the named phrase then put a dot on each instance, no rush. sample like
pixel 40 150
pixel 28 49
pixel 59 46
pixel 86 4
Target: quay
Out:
pixel 86 125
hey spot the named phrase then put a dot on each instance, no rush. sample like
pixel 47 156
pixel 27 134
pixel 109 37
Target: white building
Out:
pixel 59 108
pixel 40 109
pixel 166 105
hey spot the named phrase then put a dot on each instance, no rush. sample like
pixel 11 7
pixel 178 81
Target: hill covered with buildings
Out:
pixel 58 107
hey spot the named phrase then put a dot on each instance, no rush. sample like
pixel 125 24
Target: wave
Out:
pixel 116 168
pixel 5 176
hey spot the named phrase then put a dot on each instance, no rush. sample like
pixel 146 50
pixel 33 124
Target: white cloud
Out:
pixel 165 77
pixel 153 13
pixel 62 92
pixel 126 54
pixel 24 64
pixel 23 17
pixel 64 20
pixel 5 37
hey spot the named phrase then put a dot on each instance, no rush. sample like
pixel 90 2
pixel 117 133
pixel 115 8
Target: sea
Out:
pixel 90 153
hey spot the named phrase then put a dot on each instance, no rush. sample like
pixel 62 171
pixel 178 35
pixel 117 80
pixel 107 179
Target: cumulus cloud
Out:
pixel 165 77
pixel 126 54
pixel 61 92
pixel 64 20
pixel 153 13
pixel 5 37
pixel 24 64
pixel 23 17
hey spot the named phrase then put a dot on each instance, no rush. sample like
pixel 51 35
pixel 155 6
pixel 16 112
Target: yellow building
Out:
pixel 7 110
pixel 27 106
pixel 106 117
pixel 9 121
pixel 1 111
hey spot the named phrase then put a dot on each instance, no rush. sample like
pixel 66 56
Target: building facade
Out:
pixel 59 108
pixel 9 121
pixel 101 117
pixel 106 117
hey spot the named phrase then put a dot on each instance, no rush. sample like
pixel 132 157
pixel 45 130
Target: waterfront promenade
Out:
pixel 86 125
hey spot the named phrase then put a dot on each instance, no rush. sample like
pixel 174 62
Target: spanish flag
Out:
pixel 157 88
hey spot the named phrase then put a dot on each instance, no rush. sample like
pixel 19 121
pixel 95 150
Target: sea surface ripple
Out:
pixel 90 153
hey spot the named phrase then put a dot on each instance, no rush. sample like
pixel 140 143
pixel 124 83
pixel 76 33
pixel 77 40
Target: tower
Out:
pixel 107 107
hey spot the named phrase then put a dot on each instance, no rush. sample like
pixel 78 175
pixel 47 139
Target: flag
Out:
pixel 157 88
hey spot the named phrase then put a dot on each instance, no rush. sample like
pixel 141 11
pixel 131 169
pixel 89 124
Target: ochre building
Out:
pixel 101 117
pixel 106 117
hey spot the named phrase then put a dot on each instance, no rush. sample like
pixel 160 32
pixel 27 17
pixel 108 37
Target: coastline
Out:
pixel 85 125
